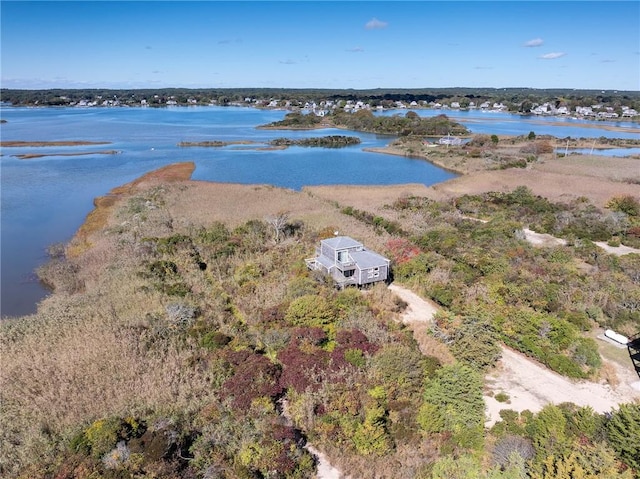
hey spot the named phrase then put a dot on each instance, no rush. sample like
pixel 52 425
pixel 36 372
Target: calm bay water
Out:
pixel 44 200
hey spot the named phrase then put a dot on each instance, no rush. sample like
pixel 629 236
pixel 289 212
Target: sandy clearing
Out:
pixel 542 239
pixel 530 385
pixel 617 250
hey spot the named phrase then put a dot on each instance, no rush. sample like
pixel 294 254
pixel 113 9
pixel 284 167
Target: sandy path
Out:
pixel 324 469
pixel 530 385
pixel 617 250
pixel 418 309
pixel 541 239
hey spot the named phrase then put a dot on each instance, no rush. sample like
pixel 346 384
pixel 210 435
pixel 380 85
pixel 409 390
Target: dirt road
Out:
pixel 528 384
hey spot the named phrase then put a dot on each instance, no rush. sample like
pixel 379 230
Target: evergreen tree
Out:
pixel 623 432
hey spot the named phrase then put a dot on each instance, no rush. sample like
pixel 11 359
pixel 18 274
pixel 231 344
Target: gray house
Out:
pixel 348 262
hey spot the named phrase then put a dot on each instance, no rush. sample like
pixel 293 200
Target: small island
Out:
pixel 410 124
pixel 214 143
pixel 331 141
pixel 30 156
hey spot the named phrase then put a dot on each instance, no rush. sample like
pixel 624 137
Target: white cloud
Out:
pixel 536 42
pixel 375 24
pixel 355 49
pixel 552 56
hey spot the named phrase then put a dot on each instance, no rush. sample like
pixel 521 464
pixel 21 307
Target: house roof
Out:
pixel 368 259
pixel 341 242
pixel 324 261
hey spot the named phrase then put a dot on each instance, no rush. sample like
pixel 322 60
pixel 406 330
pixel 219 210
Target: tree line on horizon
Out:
pixel 516 99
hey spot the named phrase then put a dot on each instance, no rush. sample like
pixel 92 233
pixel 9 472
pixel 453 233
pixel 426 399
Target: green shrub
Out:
pixel 430 418
pixel 623 433
pixel 442 294
pixel 614 241
pixel 580 319
pixel 564 365
pixel 624 203
pixel 103 435
pixel 502 397
pixel 453 402
pixel 310 310
pixel 355 357
pixel 214 340
pixel 586 353
pixel 415 267
pixel 547 432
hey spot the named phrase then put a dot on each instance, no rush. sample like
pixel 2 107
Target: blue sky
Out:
pixel 321 44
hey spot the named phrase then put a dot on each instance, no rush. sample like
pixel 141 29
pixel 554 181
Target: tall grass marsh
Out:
pixel 185 325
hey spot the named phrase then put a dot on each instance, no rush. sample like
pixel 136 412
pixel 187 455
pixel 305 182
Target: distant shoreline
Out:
pixel 29 156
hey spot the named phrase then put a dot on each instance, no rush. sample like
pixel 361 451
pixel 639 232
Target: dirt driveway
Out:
pixel 528 384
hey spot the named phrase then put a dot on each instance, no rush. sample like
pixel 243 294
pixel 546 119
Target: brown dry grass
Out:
pixel 597 178
pixel 29 156
pixel 97 219
pixel 234 204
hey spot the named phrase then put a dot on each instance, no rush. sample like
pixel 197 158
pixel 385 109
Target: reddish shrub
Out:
pixel 634 231
pixel 254 376
pixel 401 250
pixel 274 314
pixel 302 368
pixel 309 335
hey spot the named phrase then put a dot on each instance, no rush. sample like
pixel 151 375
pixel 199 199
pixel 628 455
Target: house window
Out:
pixel 348 273
pixel 373 273
pixel 343 257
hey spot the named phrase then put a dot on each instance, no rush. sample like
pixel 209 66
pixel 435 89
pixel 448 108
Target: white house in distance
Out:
pixel 348 262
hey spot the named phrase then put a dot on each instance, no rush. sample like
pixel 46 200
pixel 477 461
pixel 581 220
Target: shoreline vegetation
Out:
pixel 103 205
pixel 328 141
pixel 214 143
pixel 365 121
pixel 29 156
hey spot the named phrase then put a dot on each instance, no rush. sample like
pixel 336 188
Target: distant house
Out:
pixel 450 141
pixel 348 262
